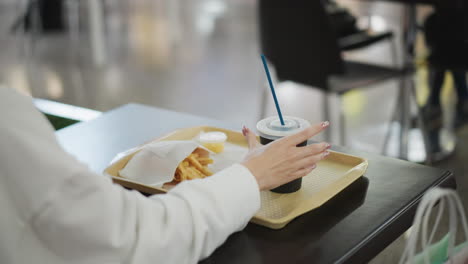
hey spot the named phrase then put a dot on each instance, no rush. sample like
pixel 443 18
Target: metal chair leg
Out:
pixel 405 116
pixel 96 27
pixel 326 114
pixel 36 25
pixel 73 20
pixel 32 39
pixel 396 113
pixel 424 131
pixel 394 52
pixel 342 121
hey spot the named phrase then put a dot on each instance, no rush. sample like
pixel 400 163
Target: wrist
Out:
pixel 255 173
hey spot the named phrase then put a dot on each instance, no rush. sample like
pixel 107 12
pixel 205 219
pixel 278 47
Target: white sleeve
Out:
pixel 78 216
pixel 108 223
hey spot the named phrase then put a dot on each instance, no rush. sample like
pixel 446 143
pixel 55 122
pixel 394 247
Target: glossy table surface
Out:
pixel 430 2
pixel 439 3
pixel 353 227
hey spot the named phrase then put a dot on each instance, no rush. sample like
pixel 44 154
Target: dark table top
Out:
pixel 446 3
pixel 406 1
pixel 353 227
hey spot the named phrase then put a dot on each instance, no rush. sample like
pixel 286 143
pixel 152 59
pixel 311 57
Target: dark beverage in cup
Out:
pixel 270 129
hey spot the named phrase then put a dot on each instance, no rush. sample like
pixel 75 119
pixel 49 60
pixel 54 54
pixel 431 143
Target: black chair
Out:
pixel 300 43
pixel 47 15
pixel 298 39
pixel 365 38
pixel 352 36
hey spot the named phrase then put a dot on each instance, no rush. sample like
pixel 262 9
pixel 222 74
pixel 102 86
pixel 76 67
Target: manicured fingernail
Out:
pixel 327 146
pixel 326 153
pixel 313 166
pixel 244 130
pixel 325 124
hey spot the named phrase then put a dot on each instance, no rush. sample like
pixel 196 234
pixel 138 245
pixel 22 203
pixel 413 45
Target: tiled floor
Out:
pixel 197 56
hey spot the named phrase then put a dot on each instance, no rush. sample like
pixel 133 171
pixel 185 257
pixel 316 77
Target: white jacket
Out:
pixel 55 210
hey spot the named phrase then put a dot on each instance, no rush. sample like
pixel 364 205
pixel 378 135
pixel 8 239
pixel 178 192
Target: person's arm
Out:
pixel 109 224
pixel 77 216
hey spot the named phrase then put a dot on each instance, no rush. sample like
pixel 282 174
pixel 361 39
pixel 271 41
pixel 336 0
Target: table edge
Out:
pixel 356 254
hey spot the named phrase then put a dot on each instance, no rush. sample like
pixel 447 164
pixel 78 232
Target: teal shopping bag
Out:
pixel 444 250
pixel 438 252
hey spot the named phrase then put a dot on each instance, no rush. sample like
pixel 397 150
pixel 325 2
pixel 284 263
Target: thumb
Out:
pixel 251 138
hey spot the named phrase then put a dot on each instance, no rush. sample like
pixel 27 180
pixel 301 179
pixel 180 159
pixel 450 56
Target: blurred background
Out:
pixel 376 69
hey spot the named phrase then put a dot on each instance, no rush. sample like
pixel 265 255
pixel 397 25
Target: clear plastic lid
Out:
pixel 271 127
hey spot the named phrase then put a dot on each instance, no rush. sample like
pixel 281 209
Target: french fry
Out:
pixel 194 162
pixel 183 176
pixel 205 161
pixel 195 174
pixel 201 168
pixel 183 168
pixel 188 174
pixel 193 167
pixel 207 171
pixel 177 175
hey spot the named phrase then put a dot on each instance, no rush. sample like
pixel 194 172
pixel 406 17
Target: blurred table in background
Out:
pixel 430 2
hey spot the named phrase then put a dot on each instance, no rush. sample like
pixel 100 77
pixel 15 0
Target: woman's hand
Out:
pixel 281 161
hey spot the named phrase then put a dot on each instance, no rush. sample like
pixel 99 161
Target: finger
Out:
pixel 313 149
pixel 306 133
pixel 311 160
pixel 251 138
pixel 303 172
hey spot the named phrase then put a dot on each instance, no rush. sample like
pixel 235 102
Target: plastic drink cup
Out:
pixel 270 129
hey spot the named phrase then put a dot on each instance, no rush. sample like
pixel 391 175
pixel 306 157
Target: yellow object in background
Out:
pixel 213 141
pixel 447 95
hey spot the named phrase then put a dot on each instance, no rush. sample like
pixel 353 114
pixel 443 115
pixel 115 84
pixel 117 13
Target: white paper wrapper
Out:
pixel 156 163
pixel 232 154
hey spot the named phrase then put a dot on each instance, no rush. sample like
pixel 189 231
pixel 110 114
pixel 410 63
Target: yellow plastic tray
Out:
pixel 331 176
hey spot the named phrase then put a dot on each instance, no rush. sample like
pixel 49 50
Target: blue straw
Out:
pixel 272 89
